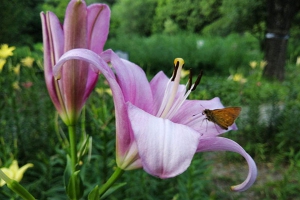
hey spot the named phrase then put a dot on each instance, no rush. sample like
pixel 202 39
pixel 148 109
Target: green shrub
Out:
pixel 215 55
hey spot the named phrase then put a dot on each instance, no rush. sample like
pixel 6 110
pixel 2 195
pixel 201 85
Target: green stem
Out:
pixel 114 177
pixel 73 153
pixel 4 177
pixel 16 187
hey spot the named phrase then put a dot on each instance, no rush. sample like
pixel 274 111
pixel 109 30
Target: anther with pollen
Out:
pixel 192 86
pixel 175 70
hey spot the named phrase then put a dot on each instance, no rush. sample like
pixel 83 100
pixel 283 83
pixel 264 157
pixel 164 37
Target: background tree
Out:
pixel 239 16
pixel 187 15
pixel 56 6
pixel 132 17
pixel 279 21
pixel 19 22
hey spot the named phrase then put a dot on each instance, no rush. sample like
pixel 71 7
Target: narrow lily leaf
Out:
pixel 20 190
pixel 94 194
pixel 75 179
pixel 67 172
pixel 112 189
pixel 83 147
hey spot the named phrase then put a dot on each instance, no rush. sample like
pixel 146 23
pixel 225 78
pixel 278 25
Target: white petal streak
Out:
pixel 166 148
pixel 158 86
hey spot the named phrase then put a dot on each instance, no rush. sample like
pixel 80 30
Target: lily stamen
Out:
pixel 178 65
pixel 168 90
pixel 180 100
pixel 190 81
pixel 171 103
pixel 190 84
pixel 197 82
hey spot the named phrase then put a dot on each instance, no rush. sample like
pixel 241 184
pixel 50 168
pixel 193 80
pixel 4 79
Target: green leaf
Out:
pixel 94 194
pixel 20 190
pixel 75 179
pixel 67 172
pixel 112 189
pixel 83 147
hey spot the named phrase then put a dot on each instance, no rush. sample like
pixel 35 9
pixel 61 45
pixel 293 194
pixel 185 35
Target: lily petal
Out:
pixel 98 26
pixel 135 88
pixel 98 18
pixel 166 148
pixel 132 80
pixel 158 86
pixel 8 173
pixel 53 37
pixel 98 64
pixel 21 171
pixel 75 25
pixel 224 144
pixel 75 74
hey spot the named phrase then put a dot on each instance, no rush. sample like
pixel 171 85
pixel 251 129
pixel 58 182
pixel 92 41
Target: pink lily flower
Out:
pixel 157 128
pixel 84 27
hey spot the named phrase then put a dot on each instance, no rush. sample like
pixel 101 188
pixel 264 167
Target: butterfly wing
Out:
pixel 225 117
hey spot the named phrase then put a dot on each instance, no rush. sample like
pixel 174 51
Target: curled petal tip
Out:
pixel 250 178
pixel 224 144
pixel 244 186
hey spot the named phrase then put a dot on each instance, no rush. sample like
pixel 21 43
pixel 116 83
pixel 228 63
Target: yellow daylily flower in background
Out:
pixel 6 51
pixel 28 61
pixel 263 63
pixel 298 61
pixel 16 86
pixel 14 172
pixel 238 78
pixel 253 64
pixel 2 63
pixel 16 69
pixel 101 91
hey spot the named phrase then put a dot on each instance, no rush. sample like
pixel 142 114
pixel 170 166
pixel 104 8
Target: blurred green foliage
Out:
pixel 139 15
pixel 218 17
pixel 214 55
pixel 239 16
pixel 19 22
